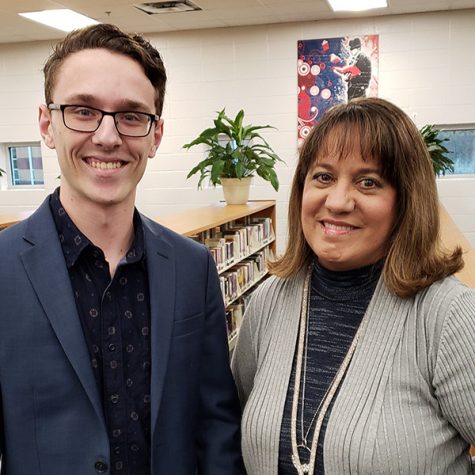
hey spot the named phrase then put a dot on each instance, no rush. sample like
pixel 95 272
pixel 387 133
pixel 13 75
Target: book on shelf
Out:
pixel 237 239
pixel 239 249
pixel 234 314
pixel 244 274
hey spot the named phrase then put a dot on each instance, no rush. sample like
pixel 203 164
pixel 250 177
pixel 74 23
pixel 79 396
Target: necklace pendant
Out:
pixel 302 469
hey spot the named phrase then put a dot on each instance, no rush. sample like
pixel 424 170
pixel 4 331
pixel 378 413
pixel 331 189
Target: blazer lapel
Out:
pixel 46 269
pixel 161 273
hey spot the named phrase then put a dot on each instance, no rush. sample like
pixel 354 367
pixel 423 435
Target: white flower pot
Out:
pixel 236 190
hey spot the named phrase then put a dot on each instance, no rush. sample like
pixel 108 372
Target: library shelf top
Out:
pixel 197 220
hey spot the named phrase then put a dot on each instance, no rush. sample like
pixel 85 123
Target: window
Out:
pixel 26 164
pixel 461 144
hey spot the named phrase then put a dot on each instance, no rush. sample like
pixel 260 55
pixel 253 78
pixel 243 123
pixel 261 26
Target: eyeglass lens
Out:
pixel 86 119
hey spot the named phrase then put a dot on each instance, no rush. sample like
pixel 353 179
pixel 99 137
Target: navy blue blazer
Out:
pixel 51 419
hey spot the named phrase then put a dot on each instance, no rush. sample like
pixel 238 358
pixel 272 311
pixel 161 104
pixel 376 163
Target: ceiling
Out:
pixel 214 14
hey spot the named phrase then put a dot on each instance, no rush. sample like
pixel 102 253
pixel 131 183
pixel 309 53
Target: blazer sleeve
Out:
pixel 454 380
pixel 2 437
pixel 219 437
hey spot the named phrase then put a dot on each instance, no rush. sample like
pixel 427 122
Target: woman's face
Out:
pixel 348 211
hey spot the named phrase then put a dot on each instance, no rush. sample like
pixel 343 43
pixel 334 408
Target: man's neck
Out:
pixel 110 228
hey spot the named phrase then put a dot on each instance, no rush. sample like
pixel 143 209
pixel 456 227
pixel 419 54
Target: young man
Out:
pixel 113 351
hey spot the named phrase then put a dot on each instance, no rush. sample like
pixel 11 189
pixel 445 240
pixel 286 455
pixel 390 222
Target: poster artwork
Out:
pixel 334 70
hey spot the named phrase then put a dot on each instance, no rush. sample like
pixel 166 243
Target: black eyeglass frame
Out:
pixel 61 107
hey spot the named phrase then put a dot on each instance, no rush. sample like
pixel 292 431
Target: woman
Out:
pixel 358 355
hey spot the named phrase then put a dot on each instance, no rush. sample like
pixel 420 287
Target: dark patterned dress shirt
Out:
pixel 115 318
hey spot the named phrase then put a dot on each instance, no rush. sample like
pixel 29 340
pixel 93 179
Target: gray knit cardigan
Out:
pixel 407 402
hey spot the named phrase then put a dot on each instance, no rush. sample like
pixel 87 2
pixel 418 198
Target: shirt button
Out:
pixel 134 416
pixel 117 450
pixel 114 398
pixel 134 448
pixel 101 467
pixel 112 347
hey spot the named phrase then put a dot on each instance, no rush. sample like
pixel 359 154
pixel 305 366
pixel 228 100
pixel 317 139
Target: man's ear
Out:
pixel 46 128
pixel 157 138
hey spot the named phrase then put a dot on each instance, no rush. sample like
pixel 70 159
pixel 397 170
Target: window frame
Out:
pixel 455 128
pixel 9 168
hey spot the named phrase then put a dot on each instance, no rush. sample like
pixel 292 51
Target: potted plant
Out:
pixel 235 153
pixel 441 162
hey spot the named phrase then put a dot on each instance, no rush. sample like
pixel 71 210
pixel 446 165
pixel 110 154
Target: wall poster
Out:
pixel 334 70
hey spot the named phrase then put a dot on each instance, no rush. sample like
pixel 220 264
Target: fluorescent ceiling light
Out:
pixel 356 5
pixel 63 19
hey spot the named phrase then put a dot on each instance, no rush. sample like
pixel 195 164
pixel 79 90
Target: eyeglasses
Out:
pixel 89 119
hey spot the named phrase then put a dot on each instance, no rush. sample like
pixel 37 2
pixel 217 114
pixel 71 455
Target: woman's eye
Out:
pixel 369 183
pixel 323 177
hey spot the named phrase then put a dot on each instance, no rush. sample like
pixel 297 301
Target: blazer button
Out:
pixel 101 467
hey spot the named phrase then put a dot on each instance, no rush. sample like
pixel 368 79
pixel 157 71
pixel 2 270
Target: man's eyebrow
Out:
pixel 81 98
pixel 125 105
pixel 129 104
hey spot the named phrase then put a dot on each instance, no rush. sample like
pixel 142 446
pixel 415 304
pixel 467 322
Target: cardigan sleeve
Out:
pixel 454 373
pixel 244 359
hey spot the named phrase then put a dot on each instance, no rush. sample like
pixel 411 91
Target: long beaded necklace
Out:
pixel 302 348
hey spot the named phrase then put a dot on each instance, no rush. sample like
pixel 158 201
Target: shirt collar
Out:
pixel 74 242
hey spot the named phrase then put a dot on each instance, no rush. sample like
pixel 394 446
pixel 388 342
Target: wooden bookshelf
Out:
pixel 197 222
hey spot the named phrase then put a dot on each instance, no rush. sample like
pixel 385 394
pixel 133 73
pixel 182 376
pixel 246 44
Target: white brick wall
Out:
pixel 426 68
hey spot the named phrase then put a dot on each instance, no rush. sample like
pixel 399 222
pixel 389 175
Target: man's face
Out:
pixel 102 167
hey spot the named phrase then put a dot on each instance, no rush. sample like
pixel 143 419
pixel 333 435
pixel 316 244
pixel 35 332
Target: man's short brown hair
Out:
pixel 111 38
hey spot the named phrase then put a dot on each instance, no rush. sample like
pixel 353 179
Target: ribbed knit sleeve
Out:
pixel 454 375
pixel 243 362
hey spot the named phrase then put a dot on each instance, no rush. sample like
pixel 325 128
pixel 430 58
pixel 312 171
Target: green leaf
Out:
pixel 245 153
pixel 237 126
pixel 216 171
pixel 441 162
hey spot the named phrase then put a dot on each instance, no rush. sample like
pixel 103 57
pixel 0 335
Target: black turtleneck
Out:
pixel 338 301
